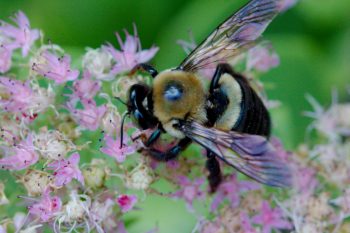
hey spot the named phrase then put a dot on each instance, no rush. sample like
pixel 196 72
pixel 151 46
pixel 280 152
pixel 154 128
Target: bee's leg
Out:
pixel 213 167
pixel 154 137
pixel 171 153
pixel 145 67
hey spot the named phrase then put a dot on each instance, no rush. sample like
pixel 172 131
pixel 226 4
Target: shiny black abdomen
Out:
pixel 254 117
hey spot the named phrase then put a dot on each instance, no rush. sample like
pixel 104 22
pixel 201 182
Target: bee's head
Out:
pixel 140 106
pixel 178 95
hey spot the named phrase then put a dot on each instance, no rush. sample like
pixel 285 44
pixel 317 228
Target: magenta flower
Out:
pixel 47 207
pixel 271 218
pixel 67 169
pixel 231 189
pixel 55 68
pixel 86 88
pixel 189 191
pixel 22 36
pixel 130 54
pixel 22 155
pixel 115 150
pixel 126 202
pixel 20 95
pixel 5 58
pixel 89 117
pixel 262 59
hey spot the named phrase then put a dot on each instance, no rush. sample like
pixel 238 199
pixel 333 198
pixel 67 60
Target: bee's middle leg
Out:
pixel 171 153
pixel 215 176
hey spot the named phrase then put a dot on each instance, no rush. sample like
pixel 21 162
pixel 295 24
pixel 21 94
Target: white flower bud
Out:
pixel 35 182
pixel 99 63
pixel 140 178
pixel 110 121
pixel 76 208
pixel 52 145
pixel 94 176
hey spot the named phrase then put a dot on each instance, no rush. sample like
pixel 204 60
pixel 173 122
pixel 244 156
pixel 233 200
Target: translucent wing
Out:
pixel 234 36
pixel 252 155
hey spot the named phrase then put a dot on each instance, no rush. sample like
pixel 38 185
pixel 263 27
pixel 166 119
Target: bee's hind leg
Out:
pixel 171 153
pixel 215 176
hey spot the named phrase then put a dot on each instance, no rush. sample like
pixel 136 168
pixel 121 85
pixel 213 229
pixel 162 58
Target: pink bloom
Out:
pixel 20 95
pixel 56 68
pixel 115 150
pixel 246 224
pixel 86 88
pixel 261 59
pixel 23 156
pixel 5 58
pixel 271 218
pixel 281 152
pixel 22 36
pixel 126 202
pixel 189 191
pixel 89 117
pixel 67 169
pixel 305 180
pixel 130 54
pixel 47 207
pixel 284 5
pixel 231 189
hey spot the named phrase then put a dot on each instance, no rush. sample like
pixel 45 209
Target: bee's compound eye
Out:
pixel 173 92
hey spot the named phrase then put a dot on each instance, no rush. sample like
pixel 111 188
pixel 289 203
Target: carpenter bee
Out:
pixel 227 118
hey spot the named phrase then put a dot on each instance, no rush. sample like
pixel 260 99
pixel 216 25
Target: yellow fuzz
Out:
pixel 191 104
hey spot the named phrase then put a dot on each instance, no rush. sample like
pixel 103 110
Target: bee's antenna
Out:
pixel 120 100
pixel 122 129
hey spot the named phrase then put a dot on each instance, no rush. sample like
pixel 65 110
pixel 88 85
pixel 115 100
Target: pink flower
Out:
pixel 126 202
pixel 305 180
pixel 189 191
pixel 271 218
pixel 22 36
pixel 284 5
pixel 86 88
pixel 115 150
pixel 89 117
pixel 281 152
pixel 47 207
pixel 231 189
pixel 262 59
pixel 23 156
pixel 67 169
pixel 20 95
pixel 130 54
pixel 5 58
pixel 56 68
pixel 246 224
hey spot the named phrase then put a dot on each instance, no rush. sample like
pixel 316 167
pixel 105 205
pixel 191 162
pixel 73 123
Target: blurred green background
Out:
pixel 312 39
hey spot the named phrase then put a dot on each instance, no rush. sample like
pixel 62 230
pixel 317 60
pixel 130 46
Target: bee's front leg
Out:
pixel 145 67
pixel 171 153
pixel 215 176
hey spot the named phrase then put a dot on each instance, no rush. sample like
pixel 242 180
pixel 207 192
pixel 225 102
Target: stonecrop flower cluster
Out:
pixel 65 167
